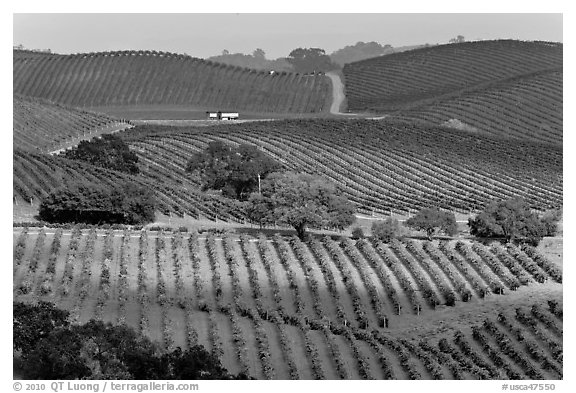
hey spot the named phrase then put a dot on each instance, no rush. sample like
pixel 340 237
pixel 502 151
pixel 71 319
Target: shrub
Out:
pixel 32 322
pixel 386 230
pixel 357 233
pixel 95 204
pixel 106 151
pixel 236 171
pixel 433 220
pixel 301 201
pixel 511 219
pixel 550 220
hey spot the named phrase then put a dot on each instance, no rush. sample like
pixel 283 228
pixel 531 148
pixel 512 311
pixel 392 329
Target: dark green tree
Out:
pixel 357 233
pixel 98 350
pixel 432 221
pixel 458 40
pixel 359 51
pixel 32 322
pixel 236 171
pixel 259 209
pixel 386 230
pixel 550 221
pixel 97 204
pixel 301 201
pixel 94 350
pixel 510 219
pixel 259 54
pixel 256 61
pixel 138 204
pixel 308 60
pixel 58 356
pixel 194 363
pixel 106 151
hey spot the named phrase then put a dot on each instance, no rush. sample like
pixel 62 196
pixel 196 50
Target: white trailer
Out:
pixel 229 116
pixel 223 115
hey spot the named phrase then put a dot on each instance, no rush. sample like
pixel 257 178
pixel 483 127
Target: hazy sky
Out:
pixel 204 35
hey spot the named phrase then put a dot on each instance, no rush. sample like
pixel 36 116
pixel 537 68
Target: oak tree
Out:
pixel 301 201
pixel 386 230
pixel 510 219
pixel 106 151
pixel 433 220
pixel 309 60
pixel 51 348
pixel 92 203
pixel 236 171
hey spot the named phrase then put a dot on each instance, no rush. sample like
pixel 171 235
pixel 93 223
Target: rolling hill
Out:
pixel 505 87
pixel 35 175
pixel 328 307
pixel 524 108
pixel 136 78
pixel 382 167
pixel 41 125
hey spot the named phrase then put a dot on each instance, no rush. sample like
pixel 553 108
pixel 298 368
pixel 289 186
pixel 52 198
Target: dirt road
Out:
pixel 337 94
pixel 338 98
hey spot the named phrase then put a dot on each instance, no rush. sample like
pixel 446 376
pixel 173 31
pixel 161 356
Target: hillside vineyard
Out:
pixel 40 125
pixel 525 108
pixel 381 166
pixel 35 175
pixel 451 127
pixel 423 73
pixel 279 308
pixel 479 83
pixel 150 77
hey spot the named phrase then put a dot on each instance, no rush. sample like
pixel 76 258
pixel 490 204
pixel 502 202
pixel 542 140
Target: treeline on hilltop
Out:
pixel 317 59
pixel 257 61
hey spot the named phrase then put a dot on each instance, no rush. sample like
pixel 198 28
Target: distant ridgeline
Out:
pixel 160 78
pixel 506 87
pixel 41 125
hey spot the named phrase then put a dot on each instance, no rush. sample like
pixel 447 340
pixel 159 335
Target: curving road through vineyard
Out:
pixel 338 95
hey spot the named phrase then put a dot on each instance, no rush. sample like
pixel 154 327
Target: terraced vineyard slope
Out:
pixel 505 87
pixel 40 125
pixel 278 308
pixel 133 78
